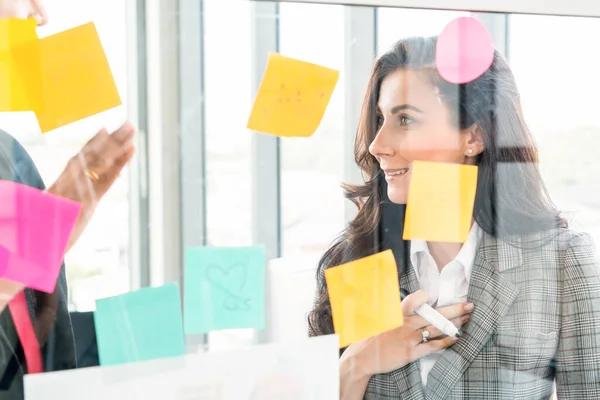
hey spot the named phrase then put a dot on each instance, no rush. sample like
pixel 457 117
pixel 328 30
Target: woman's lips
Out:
pixel 395 174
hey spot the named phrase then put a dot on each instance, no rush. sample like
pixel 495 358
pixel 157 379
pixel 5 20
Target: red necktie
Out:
pixel 31 347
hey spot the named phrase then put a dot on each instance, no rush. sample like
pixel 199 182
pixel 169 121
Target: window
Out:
pixel 556 72
pixel 312 169
pixel 98 265
pixel 229 98
pixel 395 23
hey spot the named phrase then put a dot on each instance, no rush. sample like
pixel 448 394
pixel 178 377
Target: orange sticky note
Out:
pixel 440 202
pixel 18 90
pixel 292 97
pixel 76 79
pixel 365 297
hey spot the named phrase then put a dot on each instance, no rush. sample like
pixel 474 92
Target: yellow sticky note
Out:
pixel 15 32
pixel 292 97
pixel 365 297
pixel 440 202
pixel 76 80
pixel 18 89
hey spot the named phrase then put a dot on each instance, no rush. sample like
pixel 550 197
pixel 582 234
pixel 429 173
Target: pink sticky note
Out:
pixel 34 231
pixel 464 50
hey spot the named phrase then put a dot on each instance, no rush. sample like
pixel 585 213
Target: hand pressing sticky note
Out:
pixel 19 91
pixel 292 97
pixel 34 231
pixel 224 288
pixel 440 202
pixel 139 326
pixel 365 297
pixel 76 81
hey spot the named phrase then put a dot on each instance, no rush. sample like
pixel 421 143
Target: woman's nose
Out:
pixel 380 147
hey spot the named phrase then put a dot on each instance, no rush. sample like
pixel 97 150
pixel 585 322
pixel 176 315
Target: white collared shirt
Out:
pixel 447 287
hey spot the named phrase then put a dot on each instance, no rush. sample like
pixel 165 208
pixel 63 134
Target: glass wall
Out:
pixel 558 93
pixel 228 142
pixel 396 23
pixel 311 170
pixel 98 265
pixel 560 106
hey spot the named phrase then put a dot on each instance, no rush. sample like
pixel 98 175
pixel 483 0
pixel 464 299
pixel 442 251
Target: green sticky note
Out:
pixel 141 325
pixel 224 288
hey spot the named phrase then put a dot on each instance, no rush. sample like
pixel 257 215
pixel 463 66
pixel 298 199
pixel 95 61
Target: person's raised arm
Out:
pixel 91 172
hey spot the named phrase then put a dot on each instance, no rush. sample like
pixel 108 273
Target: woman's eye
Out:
pixel 379 121
pixel 405 120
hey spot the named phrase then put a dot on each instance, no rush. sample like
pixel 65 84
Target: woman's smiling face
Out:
pixel 416 125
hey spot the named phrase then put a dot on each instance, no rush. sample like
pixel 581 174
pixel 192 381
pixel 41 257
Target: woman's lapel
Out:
pixel 492 295
pixel 408 378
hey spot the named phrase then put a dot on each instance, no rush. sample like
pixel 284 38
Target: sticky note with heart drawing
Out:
pixel 224 288
pixel 365 297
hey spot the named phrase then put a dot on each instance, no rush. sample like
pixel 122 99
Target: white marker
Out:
pixel 436 319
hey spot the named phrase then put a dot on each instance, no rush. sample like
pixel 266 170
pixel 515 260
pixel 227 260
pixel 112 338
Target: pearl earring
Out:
pixel 470 151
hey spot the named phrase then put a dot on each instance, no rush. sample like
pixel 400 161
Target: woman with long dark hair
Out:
pixel 525 288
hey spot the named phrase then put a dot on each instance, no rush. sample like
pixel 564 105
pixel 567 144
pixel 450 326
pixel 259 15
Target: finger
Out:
pixel 112 174
pixel 417 338
pixel 460 321
pixel 414 301
pixel 456 310
pixel 124 133
pixel 96 141
pixel 435 333
pixel 39 12
pixel 84 187
pixel 450 312
pixel 104 151
pixel 433 346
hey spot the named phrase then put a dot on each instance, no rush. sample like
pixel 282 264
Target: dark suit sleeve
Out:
pixel 50 310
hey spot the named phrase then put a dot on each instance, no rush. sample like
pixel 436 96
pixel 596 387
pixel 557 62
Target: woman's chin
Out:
pixel 397 196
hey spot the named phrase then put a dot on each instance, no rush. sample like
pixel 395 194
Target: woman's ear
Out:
pixel 473 141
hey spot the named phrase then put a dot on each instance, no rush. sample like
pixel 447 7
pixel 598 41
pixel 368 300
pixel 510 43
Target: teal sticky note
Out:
pixel 224 288
pixel 141 325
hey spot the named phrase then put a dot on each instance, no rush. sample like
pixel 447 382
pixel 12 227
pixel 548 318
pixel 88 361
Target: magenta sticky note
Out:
pixel 464 50
pixel 34 231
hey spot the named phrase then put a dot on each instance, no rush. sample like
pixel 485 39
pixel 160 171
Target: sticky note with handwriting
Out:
pixel 139 326
pixel 365 297
pixel 440 203
pixel 292 97
pixel 20 90
pixel 224 288
pixel 34 232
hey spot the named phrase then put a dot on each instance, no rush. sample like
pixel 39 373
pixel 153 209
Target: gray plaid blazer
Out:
pixel 536 323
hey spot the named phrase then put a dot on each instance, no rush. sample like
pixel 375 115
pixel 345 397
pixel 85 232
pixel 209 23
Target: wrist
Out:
pixel 353 366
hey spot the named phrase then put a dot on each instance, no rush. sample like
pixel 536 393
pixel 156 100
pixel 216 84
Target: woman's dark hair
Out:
pixel 511 198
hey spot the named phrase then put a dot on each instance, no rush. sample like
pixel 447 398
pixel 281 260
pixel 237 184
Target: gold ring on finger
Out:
pixel 92 175
pixel 425 334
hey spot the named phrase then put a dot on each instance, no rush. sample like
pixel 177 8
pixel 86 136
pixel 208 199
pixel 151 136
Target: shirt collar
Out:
pixel 466 255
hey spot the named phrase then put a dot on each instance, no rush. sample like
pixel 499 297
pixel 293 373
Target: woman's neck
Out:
pixel 443 252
